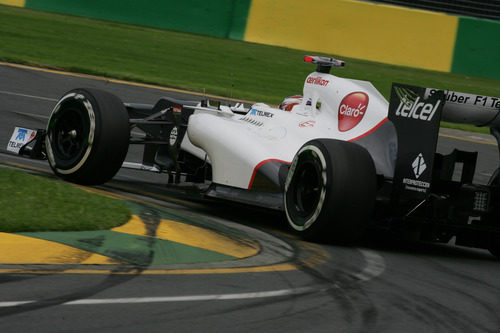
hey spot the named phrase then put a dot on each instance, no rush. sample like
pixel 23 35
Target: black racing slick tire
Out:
pixel 330 191
pixel 87 136
pixel 495 248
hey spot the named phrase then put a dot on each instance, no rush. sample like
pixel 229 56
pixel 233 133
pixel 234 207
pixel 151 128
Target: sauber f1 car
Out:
pixel 336 160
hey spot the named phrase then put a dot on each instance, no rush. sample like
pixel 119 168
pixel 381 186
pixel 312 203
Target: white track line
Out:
pixel 34 115
pixel 28 96
pixel 9 304
pixel 192 298
pixel 260 294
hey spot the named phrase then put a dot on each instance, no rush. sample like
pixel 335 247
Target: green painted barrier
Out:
pixel 221 18
pixel 477 48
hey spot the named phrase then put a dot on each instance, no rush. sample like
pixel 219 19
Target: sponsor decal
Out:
pixel 419 165
pixel 471 99
pixel 177 109
pixel 21 134
pixel 411 106
pixel 352 109
pixel 255 112
pixel 416 185
pixel 309 123
pixel 20 137
pixel 317 81
pixel 173 136
pixel 485 101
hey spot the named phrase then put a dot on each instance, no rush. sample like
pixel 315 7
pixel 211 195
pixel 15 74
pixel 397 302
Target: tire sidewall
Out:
pixel 308 153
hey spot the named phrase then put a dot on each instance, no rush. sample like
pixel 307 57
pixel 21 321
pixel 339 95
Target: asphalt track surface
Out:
pixel 385 285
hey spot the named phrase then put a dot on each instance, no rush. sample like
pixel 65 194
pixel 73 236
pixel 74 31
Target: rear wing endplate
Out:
pixel 416 117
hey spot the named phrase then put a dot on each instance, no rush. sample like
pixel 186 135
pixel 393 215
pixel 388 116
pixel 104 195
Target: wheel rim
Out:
pixel 307 189
pixel 69 135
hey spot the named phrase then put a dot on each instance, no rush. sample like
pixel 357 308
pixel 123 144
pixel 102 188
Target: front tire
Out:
pixel 330 190
pixel 87 136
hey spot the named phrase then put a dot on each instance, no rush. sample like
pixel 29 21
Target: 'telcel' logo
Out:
pixel 352 109
pixel 411 106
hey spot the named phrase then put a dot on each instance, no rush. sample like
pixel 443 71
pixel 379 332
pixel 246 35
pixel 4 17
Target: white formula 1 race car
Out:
pixel 335 160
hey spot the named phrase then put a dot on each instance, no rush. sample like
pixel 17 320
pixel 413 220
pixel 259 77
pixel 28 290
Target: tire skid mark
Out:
pixel 346 289
pixel 437 303
pixel 151 220
pixel 466 293
pixel 436 315
pixel 26 306
pixel 375 265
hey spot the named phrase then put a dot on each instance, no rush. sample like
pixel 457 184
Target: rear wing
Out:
pixel 416 113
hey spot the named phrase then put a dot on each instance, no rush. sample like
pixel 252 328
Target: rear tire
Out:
pixel 494 246
pixel 495 249
pixel 330 190
pixel 87 136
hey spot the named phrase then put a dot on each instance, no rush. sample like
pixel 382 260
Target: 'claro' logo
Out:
pixel 352 109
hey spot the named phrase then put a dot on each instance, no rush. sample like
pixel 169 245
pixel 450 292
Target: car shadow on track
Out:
pixel 391 242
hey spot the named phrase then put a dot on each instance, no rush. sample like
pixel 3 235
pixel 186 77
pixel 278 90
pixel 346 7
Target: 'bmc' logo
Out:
pixel 352 109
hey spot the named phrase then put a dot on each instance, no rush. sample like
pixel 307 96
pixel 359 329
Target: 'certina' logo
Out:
pixel 352 109
pixel 410 105
pixel 255 112
pixel 317 81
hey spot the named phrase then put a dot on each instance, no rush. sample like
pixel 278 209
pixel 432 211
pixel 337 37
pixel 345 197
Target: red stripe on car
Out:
pixel 259 165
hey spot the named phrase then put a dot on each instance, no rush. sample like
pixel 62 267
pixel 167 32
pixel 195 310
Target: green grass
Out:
pixel 223 67
pixel 34 203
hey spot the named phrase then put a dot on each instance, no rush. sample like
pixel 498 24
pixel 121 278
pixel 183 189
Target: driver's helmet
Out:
pixel 289 102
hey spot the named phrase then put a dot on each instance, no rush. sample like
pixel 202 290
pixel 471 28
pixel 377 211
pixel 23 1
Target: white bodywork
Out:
pixel 238 144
